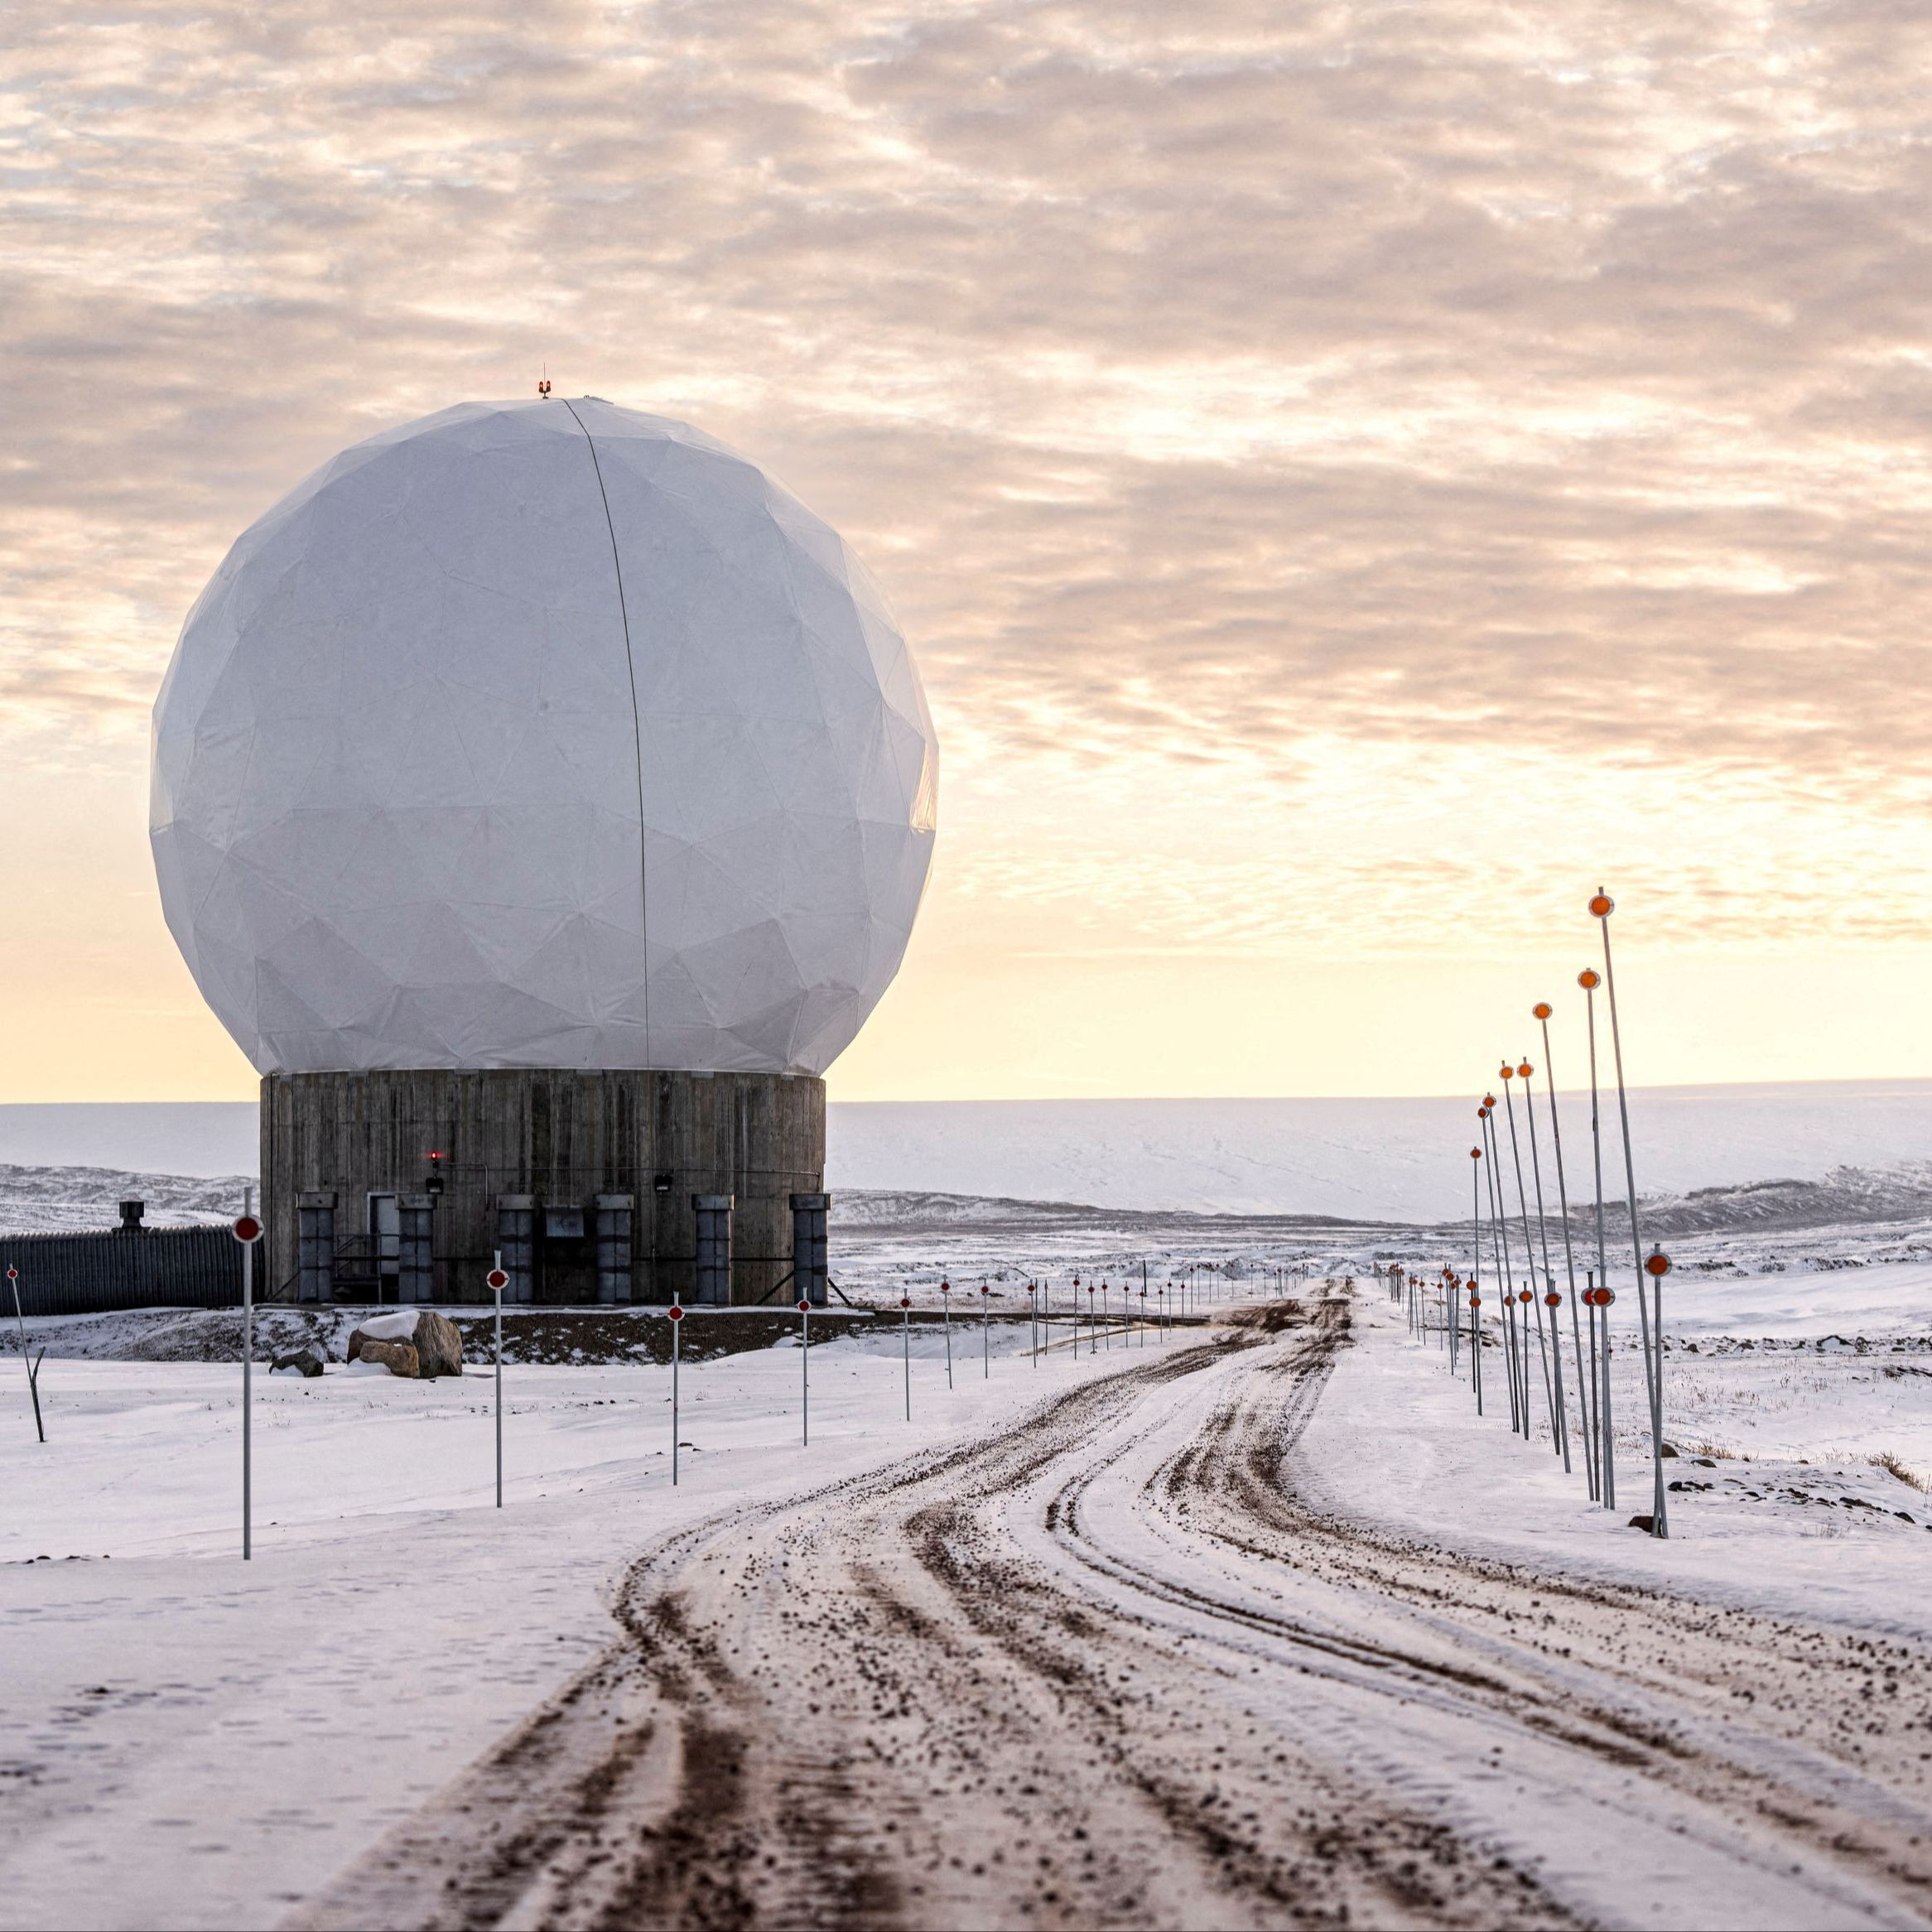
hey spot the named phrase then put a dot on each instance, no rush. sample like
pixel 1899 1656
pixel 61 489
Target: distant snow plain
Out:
pixel 1355 1160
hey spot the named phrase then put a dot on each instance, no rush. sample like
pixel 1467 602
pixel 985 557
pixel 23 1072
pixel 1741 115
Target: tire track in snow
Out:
pixel 1104 1668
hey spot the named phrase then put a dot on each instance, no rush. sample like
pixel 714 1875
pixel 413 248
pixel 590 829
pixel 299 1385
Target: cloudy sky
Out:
pixel 1355 476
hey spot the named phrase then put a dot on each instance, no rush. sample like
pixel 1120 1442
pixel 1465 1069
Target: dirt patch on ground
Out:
pixel 1270 1317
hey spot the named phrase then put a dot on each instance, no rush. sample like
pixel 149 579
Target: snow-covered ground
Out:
pixel 188 1741
pixel 1358 1159
pixel 57 1200
pixel 1782 1506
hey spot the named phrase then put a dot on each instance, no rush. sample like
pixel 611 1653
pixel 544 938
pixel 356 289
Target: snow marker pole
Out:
pixel 1499 1236
pixel 1550 1299
pixel 985 1333
pixel 1601 906
pixel 1586 1383
pixel 248 1230
pixel 1589 979
pixel 946 1303
pixel 1529 1268
pixel 496 1282
pixel 1475 1343
pixel 1033 1318
pixel 804 1371
pixel 33 1377
pixel 905 1303
pixel 248 1369
pixel 1605 1297
pixel 676 1320
pixel 1499 1239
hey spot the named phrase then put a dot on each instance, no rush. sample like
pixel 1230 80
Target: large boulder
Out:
pixel 437 1340
pixel 398 1357
pixel 303 1361
pixel 439 1343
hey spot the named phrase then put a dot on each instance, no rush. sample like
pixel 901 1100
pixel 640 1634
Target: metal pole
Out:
pixel 1499 1245
pixel 1499 1237
pixel 1603 906
pixel 946 1304
pixel 1529 1265
pixel 1033 1318
pixel 805 1370
pixel 1476 1345
pixel 1588 980
pixel 985 1333
pixel 1604 1300
pixel 905 1303
pixel 677 1355
pixel 1586 1382
pixel 33 1379
pixel 1563 1414
pixel 496 1353
pixel 247 1383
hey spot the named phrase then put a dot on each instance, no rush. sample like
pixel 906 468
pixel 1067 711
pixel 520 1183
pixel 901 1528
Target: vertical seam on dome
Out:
pixel 636 720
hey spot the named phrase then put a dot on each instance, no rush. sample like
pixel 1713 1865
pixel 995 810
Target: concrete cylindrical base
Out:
pixel 549 1155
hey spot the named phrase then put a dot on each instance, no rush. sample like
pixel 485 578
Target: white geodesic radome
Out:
pixel 541 734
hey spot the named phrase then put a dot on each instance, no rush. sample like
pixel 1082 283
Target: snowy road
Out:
pixel 1105 1668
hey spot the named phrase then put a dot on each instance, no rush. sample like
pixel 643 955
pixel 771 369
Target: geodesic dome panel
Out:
pixel 541 734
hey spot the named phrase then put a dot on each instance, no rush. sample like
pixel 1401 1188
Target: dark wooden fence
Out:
pixel 93 1273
